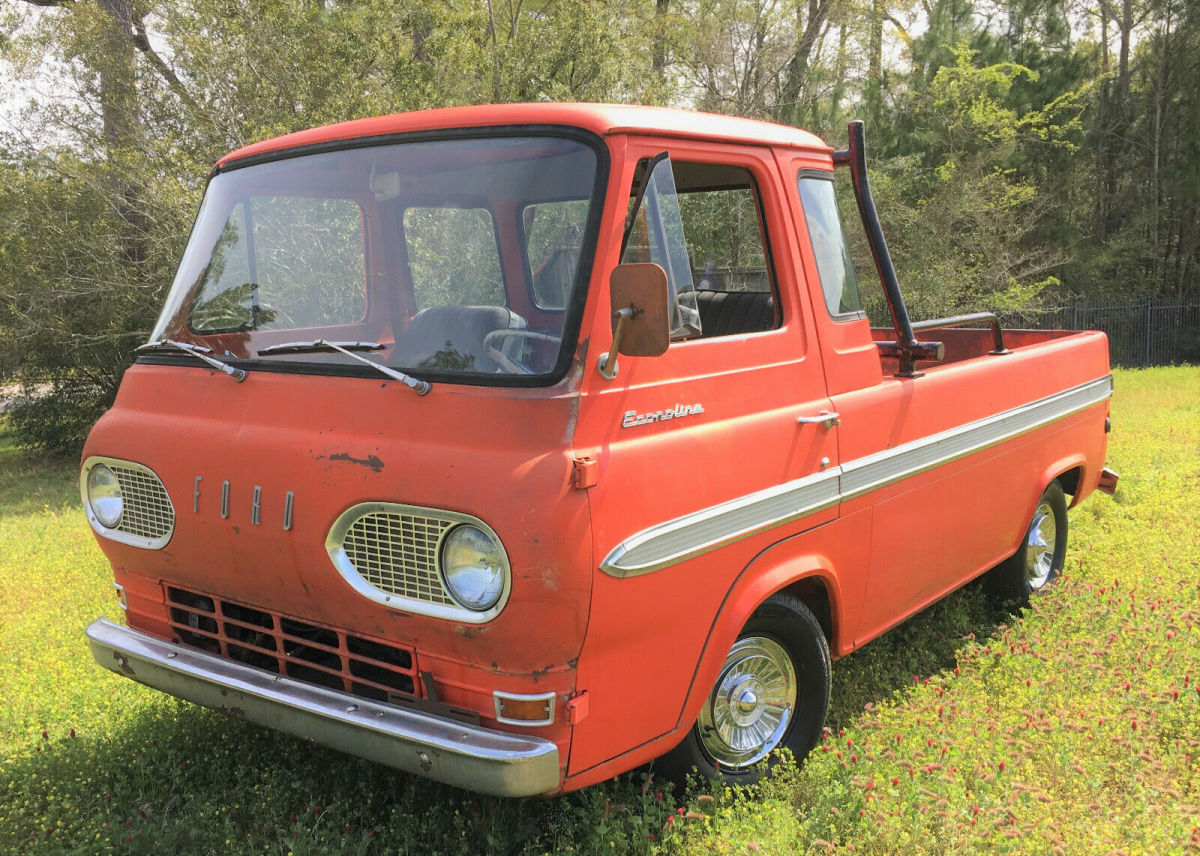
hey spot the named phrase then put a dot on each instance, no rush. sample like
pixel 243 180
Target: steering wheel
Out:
pixel 504 360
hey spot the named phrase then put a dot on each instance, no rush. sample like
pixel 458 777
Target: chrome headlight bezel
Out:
pixel 443 604
pixel 147 518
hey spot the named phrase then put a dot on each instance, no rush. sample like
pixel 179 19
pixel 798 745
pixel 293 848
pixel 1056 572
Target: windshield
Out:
pixel 456 259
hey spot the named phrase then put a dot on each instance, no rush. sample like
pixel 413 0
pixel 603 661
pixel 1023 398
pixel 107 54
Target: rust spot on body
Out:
pixel 371 461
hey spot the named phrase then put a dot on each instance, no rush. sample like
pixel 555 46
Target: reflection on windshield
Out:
pixel 458 257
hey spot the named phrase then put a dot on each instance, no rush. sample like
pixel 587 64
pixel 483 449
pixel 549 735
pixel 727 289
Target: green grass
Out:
pixel 1073 728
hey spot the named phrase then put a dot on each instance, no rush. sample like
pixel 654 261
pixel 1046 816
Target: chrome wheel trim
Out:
pixel 1040 547
pixel 751 705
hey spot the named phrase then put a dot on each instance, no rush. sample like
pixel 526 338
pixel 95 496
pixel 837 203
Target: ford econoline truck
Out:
pixel 519 446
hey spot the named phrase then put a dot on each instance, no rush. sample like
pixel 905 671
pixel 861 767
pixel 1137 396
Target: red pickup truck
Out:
pixel 518 446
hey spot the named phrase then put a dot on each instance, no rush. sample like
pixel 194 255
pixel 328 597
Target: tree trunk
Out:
pixel 1126 26
pixel 1103 165
pixel 809 22
pixel 120 114
pixel 118 76
pixel 1118 127
pixel 661 7
pixel 874 91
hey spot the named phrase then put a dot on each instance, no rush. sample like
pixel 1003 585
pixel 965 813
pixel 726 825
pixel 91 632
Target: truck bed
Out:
pixel 965 343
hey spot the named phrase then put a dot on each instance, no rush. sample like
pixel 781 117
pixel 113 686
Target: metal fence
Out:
pixel 1140 333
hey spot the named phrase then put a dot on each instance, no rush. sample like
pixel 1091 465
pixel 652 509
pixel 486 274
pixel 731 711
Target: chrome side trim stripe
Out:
pixel 704 530
pixel 710 528
pixel 873 472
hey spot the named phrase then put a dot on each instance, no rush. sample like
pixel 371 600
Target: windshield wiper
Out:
pixel 348 348
pixel 317 345
pixel 199 352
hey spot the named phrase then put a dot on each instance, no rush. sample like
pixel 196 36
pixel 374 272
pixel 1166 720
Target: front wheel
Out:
pixel 772 692
pixel 1039 560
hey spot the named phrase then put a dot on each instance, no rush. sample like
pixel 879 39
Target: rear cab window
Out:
pixel 453 257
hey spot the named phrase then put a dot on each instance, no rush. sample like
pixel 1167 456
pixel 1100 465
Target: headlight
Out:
pixel 473 568
pixel 104 496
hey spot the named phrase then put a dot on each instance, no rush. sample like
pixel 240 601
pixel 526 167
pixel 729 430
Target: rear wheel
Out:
pixel 1039 560
pixel 772 692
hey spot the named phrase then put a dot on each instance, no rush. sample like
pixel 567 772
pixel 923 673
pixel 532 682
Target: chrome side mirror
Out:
pixel 640 314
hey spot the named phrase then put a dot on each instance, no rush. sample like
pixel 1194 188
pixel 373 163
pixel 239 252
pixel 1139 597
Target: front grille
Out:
pixel 147 511
pixel 397 553
pixel 288 646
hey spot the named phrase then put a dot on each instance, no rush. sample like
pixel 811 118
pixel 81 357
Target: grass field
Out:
pixel 1072 728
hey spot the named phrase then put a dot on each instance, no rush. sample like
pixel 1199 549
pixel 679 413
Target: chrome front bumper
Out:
pixel 480 759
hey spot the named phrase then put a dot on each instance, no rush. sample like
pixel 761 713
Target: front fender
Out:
pixel 773 570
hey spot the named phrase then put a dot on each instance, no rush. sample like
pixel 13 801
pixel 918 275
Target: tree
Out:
pixel 965 220
pixel 1147 189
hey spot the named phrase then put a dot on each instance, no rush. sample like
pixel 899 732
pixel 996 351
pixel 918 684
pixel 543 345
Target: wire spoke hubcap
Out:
pixel 751 706
pixel 1040 547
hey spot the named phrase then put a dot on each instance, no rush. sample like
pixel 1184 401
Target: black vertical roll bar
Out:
pixel 907 349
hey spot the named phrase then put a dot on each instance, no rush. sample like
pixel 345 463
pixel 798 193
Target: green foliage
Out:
pixel 78 290
pixel 963 215
pixel 579 51
pixel 55 416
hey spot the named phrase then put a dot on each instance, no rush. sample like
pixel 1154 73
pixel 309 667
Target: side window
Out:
pixel 284 262
pixel 725 240
pixel 553 238
pixel 830 248
pixel 453 257
pixel 721 219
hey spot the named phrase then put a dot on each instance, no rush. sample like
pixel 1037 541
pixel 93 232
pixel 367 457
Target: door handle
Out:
pixel 826 418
